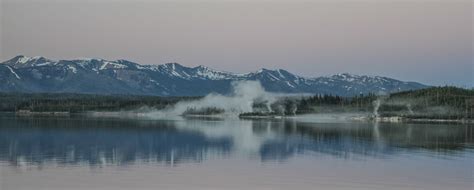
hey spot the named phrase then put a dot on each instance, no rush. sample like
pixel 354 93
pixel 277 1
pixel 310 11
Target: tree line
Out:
pixel 451 102
pixel 438 102
pixel 73 103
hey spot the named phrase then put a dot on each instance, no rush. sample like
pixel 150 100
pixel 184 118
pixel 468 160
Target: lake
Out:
pixel 177 153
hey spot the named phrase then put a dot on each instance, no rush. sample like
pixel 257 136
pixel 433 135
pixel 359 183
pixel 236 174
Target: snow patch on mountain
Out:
pixel 72 68
pixel 112 65
pixel 204 72
pixel 24 59
pixel 13 72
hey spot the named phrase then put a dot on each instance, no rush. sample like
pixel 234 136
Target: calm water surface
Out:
pixel 95 153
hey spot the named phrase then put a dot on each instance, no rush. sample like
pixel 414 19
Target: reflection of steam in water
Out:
pixel 377 137
pixel 328 117
pixel 242 133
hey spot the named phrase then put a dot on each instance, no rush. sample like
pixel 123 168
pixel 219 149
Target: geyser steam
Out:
pixel 376 104
pixel 244 95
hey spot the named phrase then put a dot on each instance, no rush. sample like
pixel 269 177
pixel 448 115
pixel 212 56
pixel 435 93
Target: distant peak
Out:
pixel 24 59
pixel 202 67
pixel 85 59
pixel 15 59
pixel 356 75
pixel 173 64
pixel 205 69
pixel 345 74
pixel 124 60
pixel 38 57
pixel 19 56
pixel 27 57
pixel 263 70
pixel 278 71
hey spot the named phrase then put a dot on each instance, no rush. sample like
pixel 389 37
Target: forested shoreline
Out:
pixel 76 103
pixel 447 102
pixel 436 102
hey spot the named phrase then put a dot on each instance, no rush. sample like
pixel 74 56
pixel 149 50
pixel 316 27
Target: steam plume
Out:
pixel 244 95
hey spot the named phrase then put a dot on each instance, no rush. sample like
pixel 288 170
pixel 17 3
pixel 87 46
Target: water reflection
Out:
pixel 98 142
pixel 359 140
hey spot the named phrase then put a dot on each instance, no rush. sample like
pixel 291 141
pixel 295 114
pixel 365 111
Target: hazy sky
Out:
pixel 429 41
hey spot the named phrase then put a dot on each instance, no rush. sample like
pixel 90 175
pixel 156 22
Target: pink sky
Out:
pixel 428 41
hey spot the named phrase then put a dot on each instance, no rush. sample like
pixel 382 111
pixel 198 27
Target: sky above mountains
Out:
pixel 429 41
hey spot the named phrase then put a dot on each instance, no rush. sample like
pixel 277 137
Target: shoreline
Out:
pixel 401 119
pixel 28 113
pixel 386 119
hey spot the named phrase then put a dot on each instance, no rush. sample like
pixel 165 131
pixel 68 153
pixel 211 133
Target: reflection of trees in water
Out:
pixel 348 140
pixel 102 142
pixel 98 142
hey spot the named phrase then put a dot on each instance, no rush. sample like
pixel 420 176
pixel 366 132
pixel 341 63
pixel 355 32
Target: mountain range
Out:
pixel 99 76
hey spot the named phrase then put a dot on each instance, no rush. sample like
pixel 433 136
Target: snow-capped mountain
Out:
pixel 98 76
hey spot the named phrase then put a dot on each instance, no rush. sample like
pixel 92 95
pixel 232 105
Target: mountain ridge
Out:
pixel 100 76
